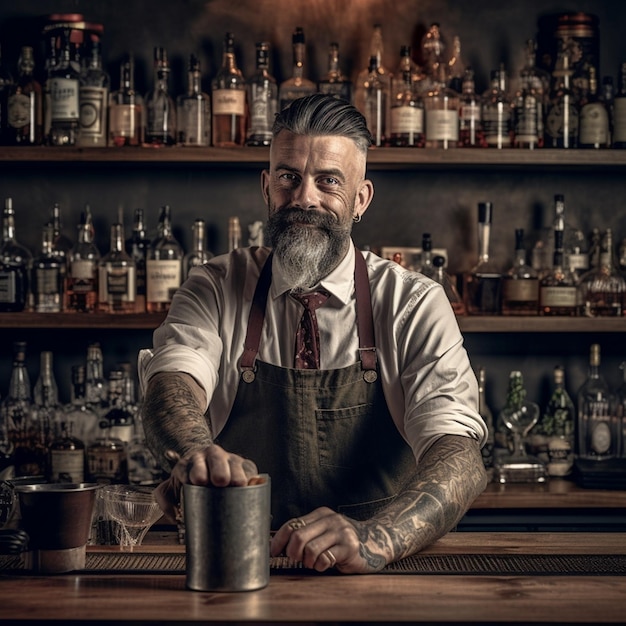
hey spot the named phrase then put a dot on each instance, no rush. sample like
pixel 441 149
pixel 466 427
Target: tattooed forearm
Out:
pixel 172 416
pixel 449 478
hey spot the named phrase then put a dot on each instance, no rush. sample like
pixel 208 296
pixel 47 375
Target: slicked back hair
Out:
pixel 321 114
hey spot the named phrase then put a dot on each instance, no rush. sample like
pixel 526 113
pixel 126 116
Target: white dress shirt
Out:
pixel 429 385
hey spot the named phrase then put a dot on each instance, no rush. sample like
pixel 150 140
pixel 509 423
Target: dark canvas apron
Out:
pixel 325 437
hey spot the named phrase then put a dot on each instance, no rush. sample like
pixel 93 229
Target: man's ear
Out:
pixel 265 184
pixel 363 198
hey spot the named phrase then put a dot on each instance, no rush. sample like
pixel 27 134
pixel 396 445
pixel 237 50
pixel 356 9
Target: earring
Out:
pixel 356 219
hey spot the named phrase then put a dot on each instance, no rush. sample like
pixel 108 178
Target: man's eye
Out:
pixel 330 181
pixel 287 176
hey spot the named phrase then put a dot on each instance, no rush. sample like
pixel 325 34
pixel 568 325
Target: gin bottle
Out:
pixel 25 104
pixel 93 99
pixel 49 273
pixel 160 107
pixel 228 91
pixel 194 110
pixel 335 82
pixel 496 112
pixel 116 276
pixel 262 99
pixel 298 85
pixel 520 285
pixel 198 255
pixel 82 282
pixel 126 110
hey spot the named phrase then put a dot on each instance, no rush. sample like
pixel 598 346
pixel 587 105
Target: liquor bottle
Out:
pixel 602 290
pixel 25 104
pixel 107 461
pixel 228 91
pixel 407 114
pixel 93 99
pixel 118 416
pixel 85 421
pixel 497 111
pixel 558 291
pixel 561 124
pixel 137 246
pixel 335 82
pixel 621 412
pixel 520 285
pixel 441 105
pixel 484 411
pixel 198 255
pixel 557 426
pixel 619 111
pixel 164 266
pixel 6 81
pixel 262 99
pixel 298 85
pixel 529 102
pixel 48 276
pixel 67 457
pixel 117 276
pixel 96 390
pixel 82 279
pixel 443 278
pixel 426 257
pixel 456 66
pixel 234 233
pixel 15 265
pixel 432 48
pixel 62 87
pixel 483 283
pixel 126 110
pixel 372 99
pixel 471 133
pixel 594 118
pixel 193 109
pixel 597 418
pixel 160 108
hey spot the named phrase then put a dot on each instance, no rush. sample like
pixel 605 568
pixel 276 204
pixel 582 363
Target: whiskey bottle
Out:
pixel 198 255
pixel 407 114
pixel 597 418
pixel 483 283
pixel 456 66
pixel 619 111
pixel 85 421
pixel 116 276
pixel 441 105
pixel 372 100
pixel 160 108
pixel 432 47
pixel 520 285
pixel 298 85
pixel 164 266
pixel 137 246
pixel 67 457
pixel 126 110
pixel 558 291
pixel 484 411
pixel 93 99
pixel 262 99
pixel 335 82
pixel 496 111
pixel 49 272
pixel 194 110
pixel 443 278
pixel 471 134
pixel 82 280
pixel 62 87
pixel 594 118
pixel 25 104
pixel 15 265
pixel 228 91
pixel 96 390
pixel 6 81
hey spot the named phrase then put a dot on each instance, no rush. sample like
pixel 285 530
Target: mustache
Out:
pixel 290 216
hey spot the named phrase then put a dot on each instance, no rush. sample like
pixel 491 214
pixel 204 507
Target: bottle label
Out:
pixel 562 122
pixel 527 121
pixel 262 110
pixel 229 102
pixel 47 280
pixel 163 278
pixel 594 125
pixel 124 120
pixel 559 296
pixel 8 289
pixel 195 123
pixel 619 120
pixel 469 112
pixel 21 109
pixel 442 125
pixel 496 124
pixel 64 100
pixel 116 284
pixel 520 290
pixel 407 120
pixel 67 466
pixel 601 438
pixel 93 114
pixel 83 270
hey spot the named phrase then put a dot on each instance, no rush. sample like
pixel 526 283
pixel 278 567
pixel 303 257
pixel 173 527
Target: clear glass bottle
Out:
pixel 456 66
pixel 85 421
pixel 117 415
pixel 96 389
pixel 48 282
pixel 433 48
pixel 497 111
pixel 6 81
pixel 372 99
pixel 471 133
pixel 619 111
pixel 602 290
pixel 25 104
pixel 441 105
pixel 407 114
pixel 228 91
pixel 597 416
pixel 164 265
pixel 160 107
pixel 126 110
pixel 594 131
pixel 335 82
pixel 426 257
pixel 117 276
pixel 82 281
pixel 298 85
pixel 137 246
pixel 194 109
pixel 67 456
pixel 482 285
pixel 199 254
pixel 93 98
pixel 520 284
pixel 61 248
pixel 234 233
pixel 443 278
pixel 558 290
pixel 62 86
pixel 15 265
pixel 485 412
pixel 262 99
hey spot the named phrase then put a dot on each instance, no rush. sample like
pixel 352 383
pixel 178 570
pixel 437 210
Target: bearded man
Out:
pixel 341 375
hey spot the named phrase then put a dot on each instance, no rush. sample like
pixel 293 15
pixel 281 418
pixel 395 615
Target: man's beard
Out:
pixel 307 243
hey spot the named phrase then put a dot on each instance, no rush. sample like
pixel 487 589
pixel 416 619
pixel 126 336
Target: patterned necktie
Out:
pixel 307 353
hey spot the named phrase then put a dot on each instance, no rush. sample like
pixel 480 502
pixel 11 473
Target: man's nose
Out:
pixel 306 195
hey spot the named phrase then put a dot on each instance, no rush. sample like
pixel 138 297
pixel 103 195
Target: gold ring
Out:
pixel 330 556
pixel 297 523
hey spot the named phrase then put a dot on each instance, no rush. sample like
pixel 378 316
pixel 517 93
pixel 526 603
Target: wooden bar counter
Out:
pixel 308 598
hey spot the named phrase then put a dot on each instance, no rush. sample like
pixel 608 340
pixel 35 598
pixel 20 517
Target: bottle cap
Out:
pixel 485 212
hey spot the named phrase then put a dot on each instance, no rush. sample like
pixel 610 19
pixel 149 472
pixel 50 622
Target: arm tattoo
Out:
pixel 448 479
pixel 172 416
